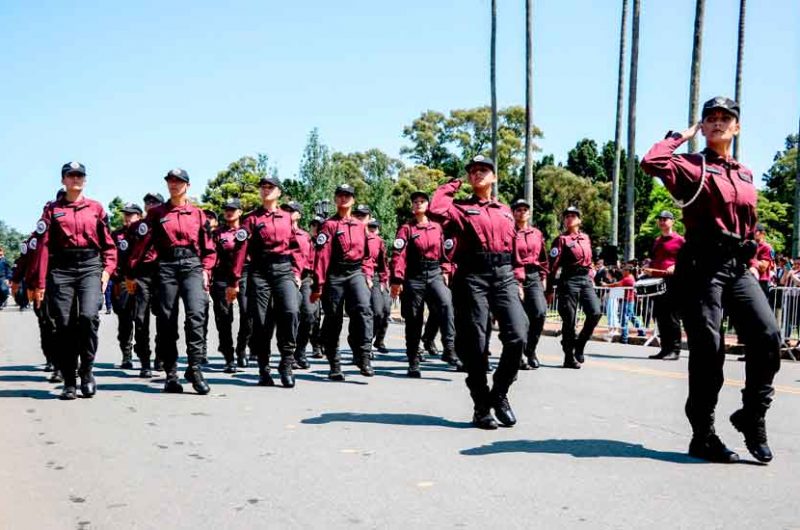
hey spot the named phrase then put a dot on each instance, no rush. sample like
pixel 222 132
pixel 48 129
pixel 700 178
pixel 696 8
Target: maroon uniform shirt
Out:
pixel 377 261
pixel 71 225
pixel 306 250
pixel 480 225
pixel 727 202
pixel 227 242
pixel 167 227
pixel 343 240
pixel 569 251
pixel 268 233
pixel 531 252
pixel 665 252
pixel 416 242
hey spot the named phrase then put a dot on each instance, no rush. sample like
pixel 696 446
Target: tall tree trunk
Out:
pixel 697 58
pixel 614 236
pixel 630 176
pixel 493 81
pixel 529 102
pixel 796 225
pixel 739 59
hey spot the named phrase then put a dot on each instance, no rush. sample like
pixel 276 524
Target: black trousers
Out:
pixel 712 281
pixel 143 305
pixel 381 304
pixel 124 306
pixel 74 297
pixel 223 318
pixel 574 290
pixel 180 279
pixel 426 287
pixel 667 315
pixel 476 296
pixel 432 325
pixel 273 297
pixel 47 332
pixel 308 331
pixel 535 308
pixel 347 292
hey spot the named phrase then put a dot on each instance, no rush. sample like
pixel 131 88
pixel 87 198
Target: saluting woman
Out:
pixel 715 273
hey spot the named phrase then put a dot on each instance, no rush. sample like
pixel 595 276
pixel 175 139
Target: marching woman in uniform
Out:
pixel 276 262
pixel 342 282
pixel 570 262
pixel 72 266
pixel 227 244
pixel 179 234
pixel 716 272
pixel 484 282
pixel 531 253
pixel 417 276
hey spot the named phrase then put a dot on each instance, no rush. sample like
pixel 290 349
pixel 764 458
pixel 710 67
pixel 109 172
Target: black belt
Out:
pixel 424 265
pixel 568 272
pixel 530 268
pixel 493 259
pixel 721 244
pixel 269 258
pixel 178 253
pixel 76 253
pixel 341 267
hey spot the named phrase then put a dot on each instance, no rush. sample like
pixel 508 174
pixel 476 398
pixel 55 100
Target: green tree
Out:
pixel 10 240
pixel 643 185
pixel 114 213
pixel 410 180
pixel 694 77
pixel 779 180
pixel 775 216
pixel 584 160
pixel 556 188
pixel 240 179
pixel 659 200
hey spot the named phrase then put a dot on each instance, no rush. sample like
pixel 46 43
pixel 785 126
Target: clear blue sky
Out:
pixel 133 89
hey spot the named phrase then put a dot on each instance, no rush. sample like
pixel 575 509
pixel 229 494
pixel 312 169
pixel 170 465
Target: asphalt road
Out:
pixel 602 447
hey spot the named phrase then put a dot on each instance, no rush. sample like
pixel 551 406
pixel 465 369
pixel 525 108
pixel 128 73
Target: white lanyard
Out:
pixel 682 204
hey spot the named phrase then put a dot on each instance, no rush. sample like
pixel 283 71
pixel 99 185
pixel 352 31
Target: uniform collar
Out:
pixel 714 158
pixel 63 203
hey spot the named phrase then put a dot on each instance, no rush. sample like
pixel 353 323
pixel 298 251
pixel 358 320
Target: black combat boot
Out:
pixel 365 366
pixel 172 385
pixel 413 367
pixel 449 356
pixel 88 385
pixel 285 371
pixel 710 447
pixel 754 429
pixel 335 373
pixel 482 418
pixel 502 409
pixel 194 375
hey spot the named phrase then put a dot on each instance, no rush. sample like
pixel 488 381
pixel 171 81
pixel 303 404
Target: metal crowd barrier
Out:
pixel 784 301
pixel 637 314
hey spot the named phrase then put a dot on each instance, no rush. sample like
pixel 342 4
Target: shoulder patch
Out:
pixel 449 244
pixel 554 252
pixel 23 248
pixel 241 235
pixel 123 245
pixel 41 226
pixel 33 243
pixel 322 239
pixel 399 243
pixel 142 229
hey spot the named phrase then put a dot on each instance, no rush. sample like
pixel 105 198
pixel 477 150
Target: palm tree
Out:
pixel 529 101
pixel 739 59
pixel 493 81
pixel 694 81
pixel 614 239
pixel 796 238
pixel 630 176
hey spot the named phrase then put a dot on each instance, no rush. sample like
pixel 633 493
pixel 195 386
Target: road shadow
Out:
pixel 585 448
pixel 608 356
pixel 28 393
pixel 23 368
pixel 42 377
pixel 127 387
pixel 416 420
pixel 385 373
